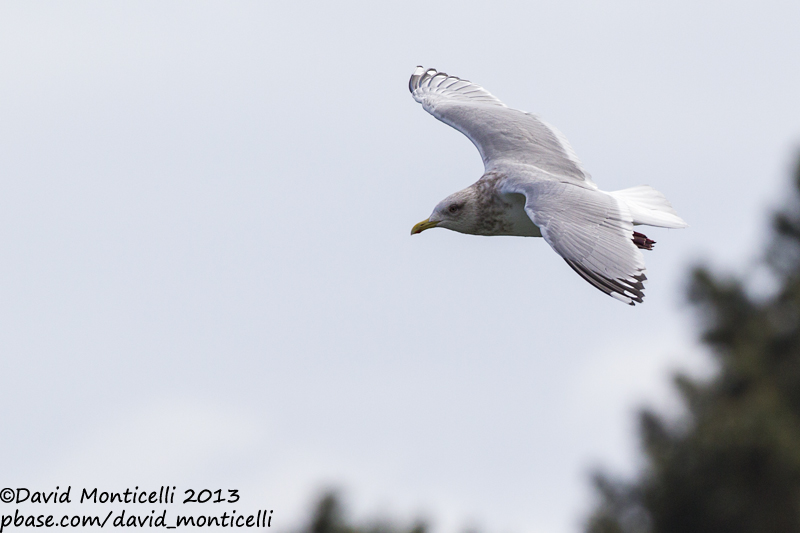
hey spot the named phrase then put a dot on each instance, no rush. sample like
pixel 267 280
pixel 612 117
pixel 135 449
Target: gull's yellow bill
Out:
pixel 422 226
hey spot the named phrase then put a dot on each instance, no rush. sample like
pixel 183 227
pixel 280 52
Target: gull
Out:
pixel 534 186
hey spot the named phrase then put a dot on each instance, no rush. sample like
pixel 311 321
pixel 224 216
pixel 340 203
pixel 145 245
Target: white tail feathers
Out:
pixel 649 207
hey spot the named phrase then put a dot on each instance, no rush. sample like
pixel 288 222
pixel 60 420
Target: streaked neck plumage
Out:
pixel 481 209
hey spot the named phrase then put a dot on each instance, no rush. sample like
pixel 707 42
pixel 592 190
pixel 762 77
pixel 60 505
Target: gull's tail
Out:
pixel 649 207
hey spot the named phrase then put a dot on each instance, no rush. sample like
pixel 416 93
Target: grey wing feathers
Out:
pixel 503 136
pixel 592 231
pixel 429 84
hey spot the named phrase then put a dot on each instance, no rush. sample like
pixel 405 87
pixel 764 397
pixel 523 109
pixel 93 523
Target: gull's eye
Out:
pixel 454 208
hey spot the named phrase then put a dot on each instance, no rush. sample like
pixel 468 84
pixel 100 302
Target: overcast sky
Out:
pixel 207 278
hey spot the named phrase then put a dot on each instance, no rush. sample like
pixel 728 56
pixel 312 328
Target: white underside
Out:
pixel 521 223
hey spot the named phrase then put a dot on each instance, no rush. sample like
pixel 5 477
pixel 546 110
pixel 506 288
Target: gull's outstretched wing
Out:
pixel 501 134
pixel 591 230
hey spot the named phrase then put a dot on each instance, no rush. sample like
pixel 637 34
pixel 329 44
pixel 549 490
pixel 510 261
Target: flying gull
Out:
pixel 534 186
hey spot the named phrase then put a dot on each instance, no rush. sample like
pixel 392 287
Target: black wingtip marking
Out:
pixel 623 287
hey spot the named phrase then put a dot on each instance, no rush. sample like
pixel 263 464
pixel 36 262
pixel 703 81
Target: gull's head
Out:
pixel 457 212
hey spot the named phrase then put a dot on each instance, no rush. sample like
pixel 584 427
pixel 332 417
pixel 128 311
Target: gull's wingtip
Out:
pixel 628 290
pixel 413 83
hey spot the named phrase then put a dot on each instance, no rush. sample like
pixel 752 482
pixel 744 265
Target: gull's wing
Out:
pixel 591 230
pixel 501 134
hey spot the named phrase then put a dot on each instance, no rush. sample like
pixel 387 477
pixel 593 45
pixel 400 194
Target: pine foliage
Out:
pixel 329 516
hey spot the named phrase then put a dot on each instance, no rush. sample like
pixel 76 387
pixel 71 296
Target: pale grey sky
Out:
pixel 207 275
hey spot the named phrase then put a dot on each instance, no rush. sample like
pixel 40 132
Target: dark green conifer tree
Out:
pixel 329 516
pixel 732 465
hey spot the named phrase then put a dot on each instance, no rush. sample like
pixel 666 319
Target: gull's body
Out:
pixel 534 186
